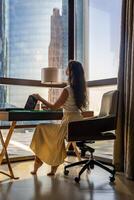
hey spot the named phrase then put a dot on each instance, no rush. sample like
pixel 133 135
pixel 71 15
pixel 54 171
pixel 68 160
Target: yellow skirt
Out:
pixel 48 142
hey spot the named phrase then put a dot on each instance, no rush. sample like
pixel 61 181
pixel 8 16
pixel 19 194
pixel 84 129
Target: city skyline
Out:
pixel 29 38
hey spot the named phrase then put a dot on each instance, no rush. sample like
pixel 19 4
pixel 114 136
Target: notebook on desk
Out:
pixel 29 105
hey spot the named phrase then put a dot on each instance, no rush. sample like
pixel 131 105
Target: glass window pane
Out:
pixel 16 96
pixel 79 30
pixel 102 148
pixel 37 36
pixel 97 42
pixel 97 37
pixel 21 138
pixel 33 34
pixel 104 38
pixel 19 145
pixel 95 96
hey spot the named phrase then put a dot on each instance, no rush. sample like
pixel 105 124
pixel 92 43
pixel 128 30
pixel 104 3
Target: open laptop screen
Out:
pixel 30 103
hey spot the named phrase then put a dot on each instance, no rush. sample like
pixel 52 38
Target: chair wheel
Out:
pixel 77 180
pixel 66 172
pixel 112 179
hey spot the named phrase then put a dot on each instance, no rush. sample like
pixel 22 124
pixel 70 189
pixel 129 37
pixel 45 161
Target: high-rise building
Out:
pixel 55 54
pixel 59 37
pixel 58 48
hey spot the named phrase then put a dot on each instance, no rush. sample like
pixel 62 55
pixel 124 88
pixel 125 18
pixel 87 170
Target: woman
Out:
pixel 48 139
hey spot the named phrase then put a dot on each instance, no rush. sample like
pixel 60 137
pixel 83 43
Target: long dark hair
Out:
pixel 77 83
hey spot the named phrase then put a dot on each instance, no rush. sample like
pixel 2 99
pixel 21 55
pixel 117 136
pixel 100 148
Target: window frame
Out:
pixel 71 55
pixel 37 83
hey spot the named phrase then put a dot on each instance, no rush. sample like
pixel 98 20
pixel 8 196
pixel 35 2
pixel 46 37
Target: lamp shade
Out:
pixel 51 75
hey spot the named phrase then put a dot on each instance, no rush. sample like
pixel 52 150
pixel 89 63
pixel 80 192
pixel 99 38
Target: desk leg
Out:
pixel 4 150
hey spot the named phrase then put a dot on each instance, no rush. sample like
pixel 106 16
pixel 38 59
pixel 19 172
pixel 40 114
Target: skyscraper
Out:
pixel 58 48
pixel 59 34
pixel 55 54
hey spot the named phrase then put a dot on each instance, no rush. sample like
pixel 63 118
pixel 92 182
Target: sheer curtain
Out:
pixel 124 144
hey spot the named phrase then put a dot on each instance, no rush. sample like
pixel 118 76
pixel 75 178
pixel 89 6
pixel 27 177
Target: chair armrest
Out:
pixel 87 114
pixel 90 129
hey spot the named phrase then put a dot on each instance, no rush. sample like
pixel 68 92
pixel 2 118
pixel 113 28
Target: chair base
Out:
pixel 89 164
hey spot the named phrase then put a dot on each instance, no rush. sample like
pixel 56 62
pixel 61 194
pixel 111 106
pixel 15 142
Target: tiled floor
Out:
pixel 93 186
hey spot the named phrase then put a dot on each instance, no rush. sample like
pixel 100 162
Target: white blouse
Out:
pixel 69 105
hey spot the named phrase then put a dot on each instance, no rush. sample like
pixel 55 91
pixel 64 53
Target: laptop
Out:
pixel 29 105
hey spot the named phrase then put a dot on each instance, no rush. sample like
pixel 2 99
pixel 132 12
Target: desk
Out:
pixel 22 115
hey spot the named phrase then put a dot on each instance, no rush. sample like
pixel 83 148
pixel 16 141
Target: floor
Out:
pixel 93 186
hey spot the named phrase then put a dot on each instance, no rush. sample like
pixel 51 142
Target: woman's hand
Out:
pixel 37 96
pixel 44 107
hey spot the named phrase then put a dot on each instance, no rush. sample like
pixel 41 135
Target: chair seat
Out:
pixel 97 137
pixel 105 136
pixel 100 136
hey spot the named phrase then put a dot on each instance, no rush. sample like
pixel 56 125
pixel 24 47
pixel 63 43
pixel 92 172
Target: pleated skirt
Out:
pixel 48 142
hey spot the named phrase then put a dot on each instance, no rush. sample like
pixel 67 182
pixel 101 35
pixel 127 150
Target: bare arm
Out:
pixel 60 101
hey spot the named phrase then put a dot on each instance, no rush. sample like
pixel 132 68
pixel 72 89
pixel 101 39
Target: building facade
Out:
pixel 55 54
pixel 58 48
pixel 55 50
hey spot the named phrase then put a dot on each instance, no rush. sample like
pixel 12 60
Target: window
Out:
pixel 97 42
pixel 37 34
pixel 104 38
pixel 20 142
pixel 33 35
pixel 95 96
pixel 97 37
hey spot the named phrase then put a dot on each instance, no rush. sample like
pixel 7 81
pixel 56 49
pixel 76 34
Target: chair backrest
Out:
pixel 93 128
pixel 109 103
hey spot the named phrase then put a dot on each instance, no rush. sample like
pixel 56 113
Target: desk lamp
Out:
pixel 51 75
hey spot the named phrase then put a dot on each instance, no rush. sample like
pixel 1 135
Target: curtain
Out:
pixel 124 144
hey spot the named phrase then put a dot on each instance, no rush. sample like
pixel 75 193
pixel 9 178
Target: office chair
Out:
pixel 94 129
pixel 74 146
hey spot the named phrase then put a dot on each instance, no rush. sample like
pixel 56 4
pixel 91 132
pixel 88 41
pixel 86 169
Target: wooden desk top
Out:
pixel 26 115
pixel 30 115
